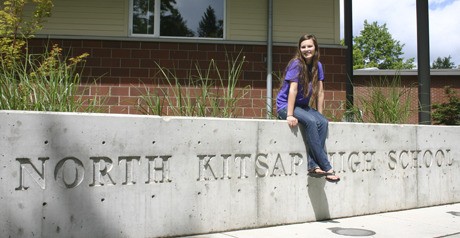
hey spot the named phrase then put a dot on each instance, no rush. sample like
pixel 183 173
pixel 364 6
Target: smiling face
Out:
pixel 308 49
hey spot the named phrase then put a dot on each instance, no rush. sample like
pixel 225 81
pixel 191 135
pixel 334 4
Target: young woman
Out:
pixel 302 89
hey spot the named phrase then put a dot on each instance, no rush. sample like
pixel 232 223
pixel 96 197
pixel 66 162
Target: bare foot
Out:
pixel 331 177
pixel 316 172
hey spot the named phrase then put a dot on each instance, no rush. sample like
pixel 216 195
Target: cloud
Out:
pixel 400 18
pixel 445 32
pixel 439 4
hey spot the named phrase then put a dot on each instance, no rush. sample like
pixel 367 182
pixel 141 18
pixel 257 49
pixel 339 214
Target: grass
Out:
pixel 386 101
pixel 45 82
pixel 204 93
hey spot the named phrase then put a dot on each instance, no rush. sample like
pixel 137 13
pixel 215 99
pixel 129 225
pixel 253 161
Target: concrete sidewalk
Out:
pixel 439 221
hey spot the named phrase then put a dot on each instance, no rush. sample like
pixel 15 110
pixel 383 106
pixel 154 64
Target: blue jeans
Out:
pixel 315 127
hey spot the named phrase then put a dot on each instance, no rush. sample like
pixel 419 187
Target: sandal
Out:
pixel 331 177
pixel 316 172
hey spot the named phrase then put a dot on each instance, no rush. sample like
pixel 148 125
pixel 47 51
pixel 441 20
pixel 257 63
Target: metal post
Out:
pixel 348 20
pixel 423 57
pixel 269 59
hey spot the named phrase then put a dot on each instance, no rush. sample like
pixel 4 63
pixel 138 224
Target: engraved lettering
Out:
pixel 404 163
pixel 354 164
pixel 99 174
pixel 158 173
pixel 129 168
pixel 439 157
pixel 415 158
pixel 261 165
pixel 450 160
pixel 368 160
pixel 39 178
pixel 66 166
pixel 204 166
pixel 428 159
pixel 393 161
pixel 242 158
pixel 225 167
pixel 342 166
pixel 279 166
pixel 70 172
pixel 295 163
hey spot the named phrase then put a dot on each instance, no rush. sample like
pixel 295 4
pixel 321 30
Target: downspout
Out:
pixel 269 59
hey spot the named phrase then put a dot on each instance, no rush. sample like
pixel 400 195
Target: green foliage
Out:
pixel 37 82
pixel 151 102
pixel 45 82
pixel 386 101
pixel 447 113
pixel 200 95
pixel 375 47
pixel 16 26
pixel 443 63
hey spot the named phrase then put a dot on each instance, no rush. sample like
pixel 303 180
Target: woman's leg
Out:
pixel 322 124
pixel 315 126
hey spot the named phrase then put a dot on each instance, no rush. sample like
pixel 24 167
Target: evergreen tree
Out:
pixel 209 26
pixel 172 23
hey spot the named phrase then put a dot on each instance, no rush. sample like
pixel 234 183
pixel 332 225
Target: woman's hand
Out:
pixel 292 121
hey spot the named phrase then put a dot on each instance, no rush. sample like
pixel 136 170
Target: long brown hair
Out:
pixel 305 75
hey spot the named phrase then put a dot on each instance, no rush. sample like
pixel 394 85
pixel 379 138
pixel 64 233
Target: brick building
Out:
pixel 127 40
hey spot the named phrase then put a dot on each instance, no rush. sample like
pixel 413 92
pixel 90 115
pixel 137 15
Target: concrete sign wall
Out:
pixel 101 175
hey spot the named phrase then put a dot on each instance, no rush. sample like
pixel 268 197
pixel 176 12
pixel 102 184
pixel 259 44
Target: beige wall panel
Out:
pixel 88 18
pixel 246 20
pixel 296 17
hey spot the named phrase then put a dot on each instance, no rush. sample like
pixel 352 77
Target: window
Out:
pixel 177 18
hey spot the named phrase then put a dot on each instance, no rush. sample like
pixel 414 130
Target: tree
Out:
pixel 143 17
pixel 16 26
pixel 375 47
pixel 444 63
pixel 48 81
pixel 172 23
pixel 209 26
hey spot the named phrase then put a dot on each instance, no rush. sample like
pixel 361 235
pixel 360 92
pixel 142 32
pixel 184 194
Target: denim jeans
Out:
pixel 315 127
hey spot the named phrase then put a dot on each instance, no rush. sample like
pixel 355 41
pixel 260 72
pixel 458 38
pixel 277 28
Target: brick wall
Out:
pixel 410 82
pixel 126 69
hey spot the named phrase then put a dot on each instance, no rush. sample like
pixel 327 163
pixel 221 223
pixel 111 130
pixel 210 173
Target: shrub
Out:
pixel 40 82
pixel 45 82
pixel 447 113
pixel 17 25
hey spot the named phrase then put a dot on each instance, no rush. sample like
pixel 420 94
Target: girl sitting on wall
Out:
pixel 302 88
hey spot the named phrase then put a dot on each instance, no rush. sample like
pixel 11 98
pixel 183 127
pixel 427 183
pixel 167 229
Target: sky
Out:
pixel 401 22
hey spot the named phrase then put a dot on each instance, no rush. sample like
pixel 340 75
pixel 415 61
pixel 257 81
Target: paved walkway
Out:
pixel 439 221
